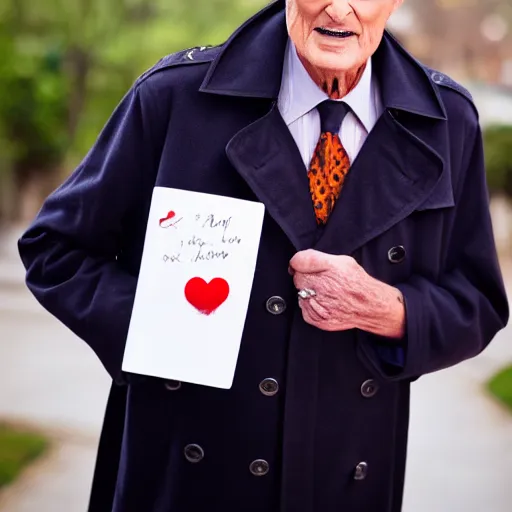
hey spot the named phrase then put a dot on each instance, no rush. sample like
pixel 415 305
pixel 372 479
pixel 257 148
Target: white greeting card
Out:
pixel 194 286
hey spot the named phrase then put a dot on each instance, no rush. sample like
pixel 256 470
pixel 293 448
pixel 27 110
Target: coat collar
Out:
pixel 403 81
pixel 250 65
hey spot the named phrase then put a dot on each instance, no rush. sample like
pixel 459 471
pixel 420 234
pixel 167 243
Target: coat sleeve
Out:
pixel 456 317
pixel 70 250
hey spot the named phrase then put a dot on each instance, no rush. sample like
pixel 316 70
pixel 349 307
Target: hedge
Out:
pixel 498 159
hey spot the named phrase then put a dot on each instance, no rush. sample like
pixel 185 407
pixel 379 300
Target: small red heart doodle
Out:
pixel 166 221
pixel 206 297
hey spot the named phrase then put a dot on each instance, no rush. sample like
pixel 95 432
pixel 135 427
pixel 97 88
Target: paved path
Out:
pixel 460 450
pixel 59 482
pixel 460 453
pixel 51 380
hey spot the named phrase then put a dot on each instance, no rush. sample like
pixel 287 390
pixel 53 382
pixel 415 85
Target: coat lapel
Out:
pixel 266 156
pixel 398 169
pixel 394 174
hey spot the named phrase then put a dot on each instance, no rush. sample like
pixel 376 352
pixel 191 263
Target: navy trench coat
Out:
pixel 329 432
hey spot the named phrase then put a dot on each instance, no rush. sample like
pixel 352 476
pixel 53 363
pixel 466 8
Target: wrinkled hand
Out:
pixel 347 297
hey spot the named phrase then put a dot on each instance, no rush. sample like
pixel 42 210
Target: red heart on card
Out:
pixel 170 215
pixel 206 297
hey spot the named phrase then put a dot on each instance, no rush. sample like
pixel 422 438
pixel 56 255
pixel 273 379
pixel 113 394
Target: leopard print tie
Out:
pixel 330 163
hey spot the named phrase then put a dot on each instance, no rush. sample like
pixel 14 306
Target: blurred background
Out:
pixel 64 65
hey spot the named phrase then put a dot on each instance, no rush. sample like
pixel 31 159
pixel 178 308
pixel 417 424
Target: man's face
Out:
pixel 337 35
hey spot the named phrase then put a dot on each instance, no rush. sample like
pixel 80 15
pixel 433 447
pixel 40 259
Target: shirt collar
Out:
pixel 299 94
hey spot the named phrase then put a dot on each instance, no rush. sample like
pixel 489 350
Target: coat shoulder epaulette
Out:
pixel 445 81
pixel 195 55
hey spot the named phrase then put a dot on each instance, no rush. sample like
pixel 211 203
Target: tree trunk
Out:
pixel 79 65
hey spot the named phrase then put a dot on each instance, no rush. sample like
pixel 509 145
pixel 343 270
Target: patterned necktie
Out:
pixel 330 162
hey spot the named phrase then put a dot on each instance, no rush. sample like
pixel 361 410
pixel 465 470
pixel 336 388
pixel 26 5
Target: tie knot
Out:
pixel 332 114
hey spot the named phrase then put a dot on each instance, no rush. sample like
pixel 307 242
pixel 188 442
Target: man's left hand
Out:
pixel 347 297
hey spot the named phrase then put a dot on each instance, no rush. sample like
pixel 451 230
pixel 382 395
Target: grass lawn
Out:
pixel 17 449
pixel 501 386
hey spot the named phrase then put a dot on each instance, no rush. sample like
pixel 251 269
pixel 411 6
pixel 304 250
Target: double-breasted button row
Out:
pixel 260 467
pixel 194 454
pixel 269 387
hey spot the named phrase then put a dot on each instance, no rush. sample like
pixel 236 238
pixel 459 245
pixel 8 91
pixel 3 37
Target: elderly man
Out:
pixel 376 264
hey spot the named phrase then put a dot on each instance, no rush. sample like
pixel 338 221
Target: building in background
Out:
pixel 469 39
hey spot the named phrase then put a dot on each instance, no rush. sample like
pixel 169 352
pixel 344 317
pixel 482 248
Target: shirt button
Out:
pixel 396 254
pixel 369 388
pixel 194 453
pixel 269 387
pixel 259 467
pixel 172 385
pixel 276 305
pixel 361 471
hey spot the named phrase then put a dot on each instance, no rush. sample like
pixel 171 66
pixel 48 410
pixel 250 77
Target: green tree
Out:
pixel 66 63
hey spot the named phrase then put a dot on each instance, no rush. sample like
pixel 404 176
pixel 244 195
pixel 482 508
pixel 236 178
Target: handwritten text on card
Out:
pixel 212 239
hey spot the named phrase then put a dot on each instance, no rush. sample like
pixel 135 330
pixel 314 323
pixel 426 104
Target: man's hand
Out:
pixel 346 296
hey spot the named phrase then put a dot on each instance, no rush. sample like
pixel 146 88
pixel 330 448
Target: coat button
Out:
pixel 276 305
pixel 361 471
pixel 437 77
pixel 172 385
pixel 259 467
pixel 396 254
pixel 194 453
pixel 269 387
pixel 369 388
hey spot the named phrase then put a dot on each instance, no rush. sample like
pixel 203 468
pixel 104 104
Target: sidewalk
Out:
pixel 55 384
pixel 460 450
pixel 59 482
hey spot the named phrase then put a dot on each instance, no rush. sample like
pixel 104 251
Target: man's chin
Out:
pixel 331 61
